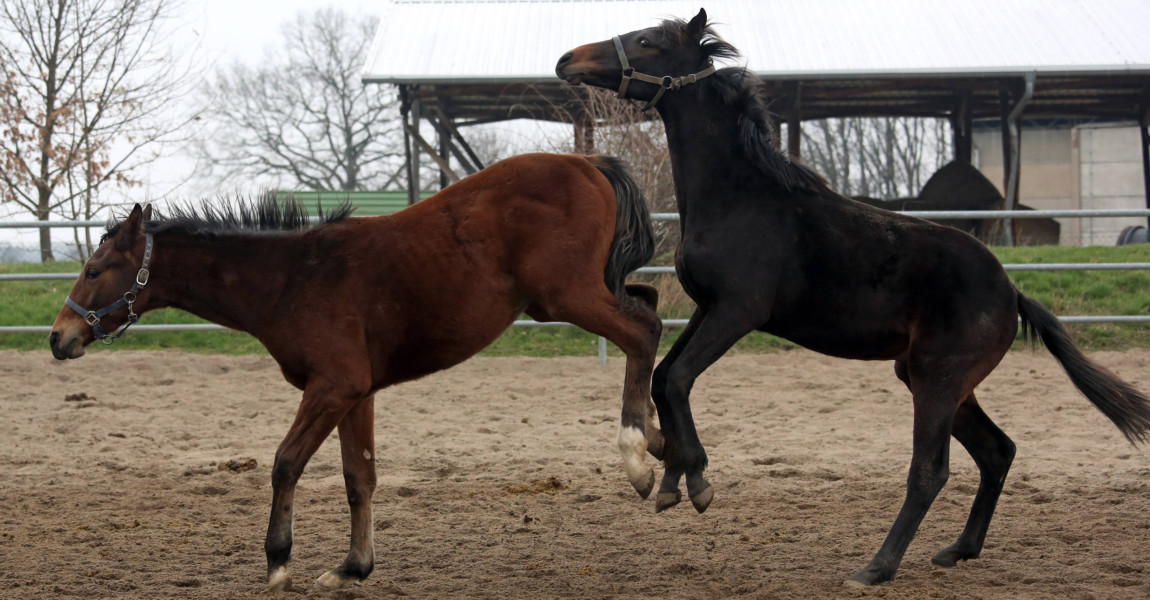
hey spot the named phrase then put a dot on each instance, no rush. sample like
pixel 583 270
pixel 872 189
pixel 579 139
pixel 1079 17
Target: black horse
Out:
pixel 768 246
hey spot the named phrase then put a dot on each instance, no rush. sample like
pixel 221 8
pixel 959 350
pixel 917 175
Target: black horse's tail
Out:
pixel 634 241
pixel 1120 402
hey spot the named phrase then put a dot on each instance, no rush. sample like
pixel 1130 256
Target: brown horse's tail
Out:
pixel 1120 402
pixel 634 241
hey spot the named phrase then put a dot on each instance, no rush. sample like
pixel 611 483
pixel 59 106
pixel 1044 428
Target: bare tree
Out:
pixel 884 158
pixel 620 129
pixel 87 96
pixel 306 119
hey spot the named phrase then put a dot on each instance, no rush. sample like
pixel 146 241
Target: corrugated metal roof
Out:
pixel 467 41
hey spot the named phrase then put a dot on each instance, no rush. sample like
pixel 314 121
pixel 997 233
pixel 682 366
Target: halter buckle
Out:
pixel 142 277
pixel 91 318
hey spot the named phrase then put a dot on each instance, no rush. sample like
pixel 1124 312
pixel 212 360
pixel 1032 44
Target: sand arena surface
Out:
pixel 500 479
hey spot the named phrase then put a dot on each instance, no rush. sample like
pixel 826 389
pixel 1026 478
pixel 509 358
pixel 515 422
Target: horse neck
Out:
pixel 229 280
pixel 703 139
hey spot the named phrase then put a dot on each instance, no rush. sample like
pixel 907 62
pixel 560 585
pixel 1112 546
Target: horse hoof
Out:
pixel 665 500
pixel 644 484
pixel 869 575
pixel 703 499
pixel 332 580
pixel 279 580
pixel 949 556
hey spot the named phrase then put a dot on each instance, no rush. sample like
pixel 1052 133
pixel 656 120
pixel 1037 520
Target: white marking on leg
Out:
pixel 279 580
pixel 633 446
pixel 651 425
pixel 334 581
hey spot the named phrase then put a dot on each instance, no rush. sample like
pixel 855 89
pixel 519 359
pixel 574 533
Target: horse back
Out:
pixel 852 280
pixel 431 285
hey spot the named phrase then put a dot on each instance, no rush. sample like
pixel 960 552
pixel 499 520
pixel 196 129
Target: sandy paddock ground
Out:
pixel 499 479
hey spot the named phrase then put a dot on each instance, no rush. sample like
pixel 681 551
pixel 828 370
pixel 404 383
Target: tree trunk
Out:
pixel 42 214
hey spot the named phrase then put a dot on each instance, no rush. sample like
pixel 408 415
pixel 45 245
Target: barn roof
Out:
pixel 493 59
pixel 473 41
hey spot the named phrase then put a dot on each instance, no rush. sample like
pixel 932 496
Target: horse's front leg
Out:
pixel 708 335
pixel 357 445
pixel 322 407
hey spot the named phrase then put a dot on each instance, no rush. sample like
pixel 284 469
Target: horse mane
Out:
pixel 267 213
pixel 747 94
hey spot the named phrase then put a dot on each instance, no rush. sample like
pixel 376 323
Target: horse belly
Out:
pixel 858 345
pixel 843 334
pixel 431 332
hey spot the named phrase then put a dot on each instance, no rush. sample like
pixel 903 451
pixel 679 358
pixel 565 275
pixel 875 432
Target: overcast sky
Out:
pixel 243 28
pixel 223 30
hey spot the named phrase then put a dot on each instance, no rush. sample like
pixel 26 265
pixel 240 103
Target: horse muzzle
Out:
pixel 562 70
pixel 65 346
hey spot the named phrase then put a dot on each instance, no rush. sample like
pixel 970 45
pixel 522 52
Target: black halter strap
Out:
pixel 92 317
pixel 665 83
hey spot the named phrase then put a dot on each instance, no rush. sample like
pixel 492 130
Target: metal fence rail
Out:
pixel 940 215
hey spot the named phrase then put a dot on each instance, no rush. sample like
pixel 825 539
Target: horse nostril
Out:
pixel 566 58
pixel 54 339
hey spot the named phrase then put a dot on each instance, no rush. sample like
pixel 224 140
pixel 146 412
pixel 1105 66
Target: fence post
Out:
pixel 602 351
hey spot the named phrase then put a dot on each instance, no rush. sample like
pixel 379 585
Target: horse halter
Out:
pixel 665 83
pixel 92 317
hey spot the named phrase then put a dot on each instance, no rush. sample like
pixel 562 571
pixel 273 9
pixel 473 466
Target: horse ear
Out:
pixel 698 25
pixel 131 229
pixel 148 212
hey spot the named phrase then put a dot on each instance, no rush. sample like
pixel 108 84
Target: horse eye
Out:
pixel 644 43
pixel 92 274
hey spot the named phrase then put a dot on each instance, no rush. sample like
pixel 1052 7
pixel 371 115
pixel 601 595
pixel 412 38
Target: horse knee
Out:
pixel 285 473
pixel 659 381
pixel 923 485
pixel 678 384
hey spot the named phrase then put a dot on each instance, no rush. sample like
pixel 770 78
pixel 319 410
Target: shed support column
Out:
pixel 794 137
pixel 404 116
pixel 960 123
pixel 1143 124
pixel 795 124
pixel 443 152
pixel 584 133
pixel 1015 165
pixel 411 119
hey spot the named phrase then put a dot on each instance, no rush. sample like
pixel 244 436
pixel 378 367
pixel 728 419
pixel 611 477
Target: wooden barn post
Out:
pixel 795 124
pixel 584 132
pixel 1144 134
pixel 961 124
pixel 1015 165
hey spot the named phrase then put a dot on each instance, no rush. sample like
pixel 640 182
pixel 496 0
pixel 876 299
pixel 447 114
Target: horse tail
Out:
pixel 1125 406
pixel 634 242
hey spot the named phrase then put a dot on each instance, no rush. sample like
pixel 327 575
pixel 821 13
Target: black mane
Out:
pixel 268 213
pixel 747 94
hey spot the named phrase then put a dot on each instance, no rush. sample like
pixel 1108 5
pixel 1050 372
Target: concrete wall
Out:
pixel 1087 166
pixel 1110 176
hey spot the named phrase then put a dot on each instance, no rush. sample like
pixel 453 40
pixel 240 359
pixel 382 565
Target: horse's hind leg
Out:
pixel 934 408
pixel 357 447
pixel 655 442
pixel 633 326
pixel 993 452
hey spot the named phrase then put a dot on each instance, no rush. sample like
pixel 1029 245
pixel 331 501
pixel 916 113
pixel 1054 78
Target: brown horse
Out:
pixel 768 246
pixel 354 305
